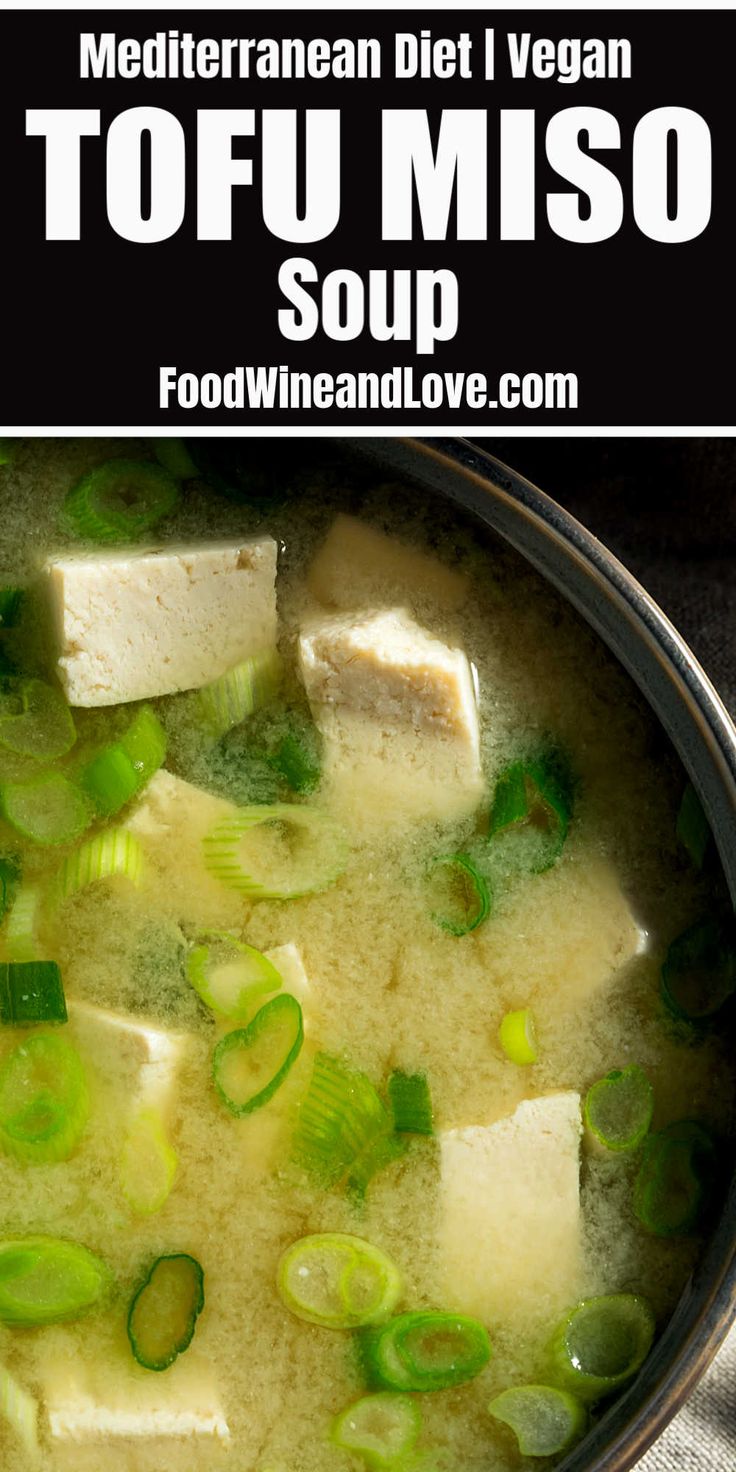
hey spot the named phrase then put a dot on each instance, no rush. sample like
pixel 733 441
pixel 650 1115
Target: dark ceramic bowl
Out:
pixel 700 730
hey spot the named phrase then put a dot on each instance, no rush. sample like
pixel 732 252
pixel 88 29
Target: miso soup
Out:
pixel 365 980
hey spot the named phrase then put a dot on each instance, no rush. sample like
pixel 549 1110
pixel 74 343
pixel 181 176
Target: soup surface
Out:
pixel 466 933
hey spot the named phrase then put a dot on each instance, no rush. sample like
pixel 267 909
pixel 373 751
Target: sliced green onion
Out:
pixel 11 600
pixel 44 1101
pixel 112 853
pixel 119 771
pixel 544 1420
pixel 699 971
pixel 7 451
pixel 10 873
pixel 338 1281
pixel 149 1164
pixel 344 1131
pixel 618 1108
pixel 20 931
pixel 250 1064
pixel 675 1179
pixel 31 992
pixel 692 827
pixel 164 1310
pixel 120 500
pixel 48 810
pixel 304 851
pixel 174 456
pixel 230 976
pixel 38 722
pixel 379 1428
pixel 229 700
pixel 411 1103
pixel 518 1036
pixel 44 1280
pixel 601 1343
pixel 537 795
pixel 467 902
pixel 20 1409
pixel 298 762
pixel 424 1351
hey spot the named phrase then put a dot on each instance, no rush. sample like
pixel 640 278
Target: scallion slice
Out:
pixel 301 851
pixel 120 500
pixel 537 796
pixel 20 931
pixel 20 1410
pixel 424 1351
pixel 31 992
pixel 44 1101
pixel 11 600
pixel 250 1064
pixel 338 1281
pixel 230 976
pixel 699 971
pixel 164 1310
pixel 119 771
pixel 379 1428
pixel 36 721
pixel 7 451
pixel 518 1036
pixel 411 1103
pixel 229 700
pixel 148 1165
pixel 45 1280
pixel 602 1343
pixel 675 1179
pixel 116 852
pixel 545 1420
pixel 173 454
pixel 618 1108
pixel 466 902
pixel 344 1132
pixel 48 810
pixel 692 826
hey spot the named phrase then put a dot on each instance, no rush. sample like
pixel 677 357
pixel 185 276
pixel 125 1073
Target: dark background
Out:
pixel 86 324
pixel 667 509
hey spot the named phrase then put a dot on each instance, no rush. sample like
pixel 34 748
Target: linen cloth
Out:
pixel 667 510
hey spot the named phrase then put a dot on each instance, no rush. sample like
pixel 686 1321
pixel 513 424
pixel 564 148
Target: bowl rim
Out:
pixel 655 655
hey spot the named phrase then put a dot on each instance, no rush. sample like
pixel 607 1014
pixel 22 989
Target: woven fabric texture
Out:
pixel 667 509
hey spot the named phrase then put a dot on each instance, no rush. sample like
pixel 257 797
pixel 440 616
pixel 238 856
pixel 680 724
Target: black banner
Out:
pixel 473 219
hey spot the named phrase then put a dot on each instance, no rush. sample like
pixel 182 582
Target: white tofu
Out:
pixel 91 1402
pixel 509 1233
pixel 398 712
pixel 383 664
pixel 170 819
pixel 130 625
pixel 152 1053
pixel 288 962
pixel 563 955
pixel 357 566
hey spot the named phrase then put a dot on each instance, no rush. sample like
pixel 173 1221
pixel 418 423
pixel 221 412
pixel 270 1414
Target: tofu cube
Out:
pixel 563 956
pixel 170 819
pixel 398 712
pixel 90 1402
pixel 130 625
pixel 384 665
pixel 358 566
pixel 509 1234
pixel 288 962
pixel 152 1054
